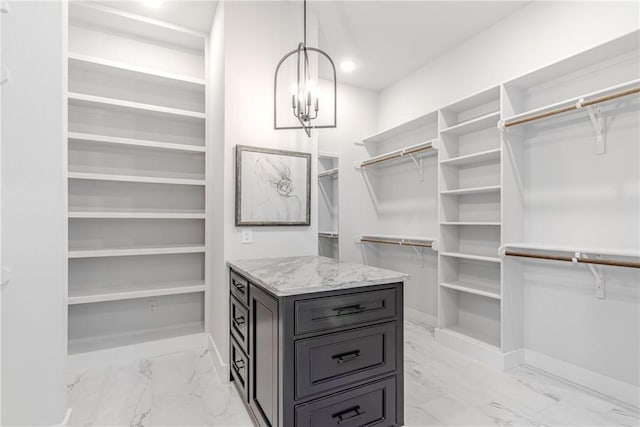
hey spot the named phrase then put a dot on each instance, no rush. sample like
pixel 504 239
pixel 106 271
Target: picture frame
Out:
pixel 273 187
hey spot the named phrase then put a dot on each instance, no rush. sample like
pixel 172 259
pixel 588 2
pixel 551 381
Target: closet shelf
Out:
pixel 133 178
pixel 472 190
pixel 328 173
pixel 472 223
pixel 123 22
pixel 479 123
pixel 99 65
pixel 128 106
pixel 428 147
pixel 328 234
pixel 101 342
pixel 111 293
pixel 156 145
pixel 412 241
pixel 135 215
pixel 148 250
pixel 473 288
pixel 411 125
pixel 566 105
pixel 471 257
pixel 482 156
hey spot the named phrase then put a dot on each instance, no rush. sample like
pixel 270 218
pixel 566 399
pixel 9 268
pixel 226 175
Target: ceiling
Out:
pixel 386 39
pixel 193 14
pixel 389 39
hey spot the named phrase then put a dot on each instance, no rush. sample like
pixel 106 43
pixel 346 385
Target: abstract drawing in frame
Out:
pixel 273 187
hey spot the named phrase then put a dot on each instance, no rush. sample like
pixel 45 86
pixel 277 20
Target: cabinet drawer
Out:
pixel 368 405
pixel 344 310
pixel 240 369
pixel 334 360
pixel 239 287
pixel 239 323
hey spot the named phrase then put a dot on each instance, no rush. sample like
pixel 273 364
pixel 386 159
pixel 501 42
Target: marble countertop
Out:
pixel 307 274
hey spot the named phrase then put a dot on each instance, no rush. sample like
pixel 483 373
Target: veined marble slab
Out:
pixel 308 274
pixel 442 388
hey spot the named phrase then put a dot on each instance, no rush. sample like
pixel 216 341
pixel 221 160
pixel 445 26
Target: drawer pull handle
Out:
pixel 239 286
pixel 353 412
pixel 349 309
pixel 346 357
pixel 238 365
pixel 238 321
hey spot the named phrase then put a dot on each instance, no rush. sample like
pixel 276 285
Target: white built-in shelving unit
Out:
pixel 137 180
pixel 399 170
pixel 470 222
pixel 543 186
pixel 328 205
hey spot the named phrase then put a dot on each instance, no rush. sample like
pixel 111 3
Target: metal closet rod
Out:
pixel 580 260
pixel 397 243
pixel 328 235
pixel 573 107
pixel 397 155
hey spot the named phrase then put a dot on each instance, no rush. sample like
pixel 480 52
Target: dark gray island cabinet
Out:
pixel 315 342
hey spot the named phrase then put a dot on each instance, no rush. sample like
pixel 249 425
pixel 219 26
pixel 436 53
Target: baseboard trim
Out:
pixel 222 369
pixel 65 421
pixel 129 353
pixel 602 384
pixel 484 353
pixel 420 317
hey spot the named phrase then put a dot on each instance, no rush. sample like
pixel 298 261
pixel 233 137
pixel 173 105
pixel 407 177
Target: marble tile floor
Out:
pixel 442 388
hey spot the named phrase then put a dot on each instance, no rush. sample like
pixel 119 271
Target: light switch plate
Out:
pixel 247 237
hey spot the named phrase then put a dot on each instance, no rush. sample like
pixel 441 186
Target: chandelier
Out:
pixel 305 103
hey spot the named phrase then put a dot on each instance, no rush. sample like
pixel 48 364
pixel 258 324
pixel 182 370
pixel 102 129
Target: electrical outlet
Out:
pixel 247 237
pixel 153 305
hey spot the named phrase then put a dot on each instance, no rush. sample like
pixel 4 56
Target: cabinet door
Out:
pixel 263 347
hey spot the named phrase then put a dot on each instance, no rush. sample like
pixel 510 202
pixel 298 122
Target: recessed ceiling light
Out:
pixel 347 66
pixel 153 3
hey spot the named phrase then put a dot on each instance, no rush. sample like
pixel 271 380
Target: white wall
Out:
pixel 217 291
pixel 256 35
pixel 534 36
pixel 356 211
pixel 34 311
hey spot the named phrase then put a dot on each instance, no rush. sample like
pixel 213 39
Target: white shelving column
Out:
pixel 328 205
pixel 136 182
pixel 470 290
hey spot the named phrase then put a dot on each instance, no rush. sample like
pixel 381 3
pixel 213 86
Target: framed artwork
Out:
pixel 273 187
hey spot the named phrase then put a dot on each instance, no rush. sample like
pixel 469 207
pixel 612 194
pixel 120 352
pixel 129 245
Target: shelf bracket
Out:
pixel 5 275
pixel 4 75
pixel 419 252
pixel 418 163
pixel 595 115
pixel 598 127
pixel 597 275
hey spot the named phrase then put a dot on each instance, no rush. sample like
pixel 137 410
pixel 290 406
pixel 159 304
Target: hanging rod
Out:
pixel 396 242
pixel 330 172
pixel 572 107
pixel 328 235
pixel 416 149
pixel 582 260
